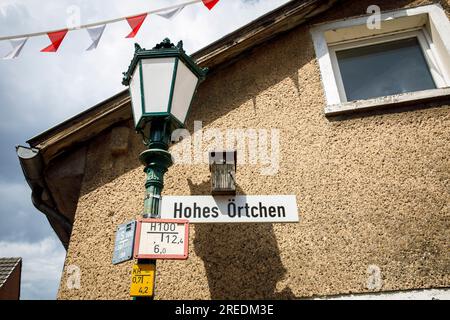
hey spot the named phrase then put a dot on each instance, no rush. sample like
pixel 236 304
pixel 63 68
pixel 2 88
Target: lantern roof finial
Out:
pixel 138 48
pixel 165 44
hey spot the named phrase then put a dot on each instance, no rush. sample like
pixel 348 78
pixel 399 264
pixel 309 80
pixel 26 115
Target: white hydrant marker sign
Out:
pixel 161 239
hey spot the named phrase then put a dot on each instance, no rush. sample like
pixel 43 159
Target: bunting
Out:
pixel 210 3
pixel 135 24
pixel 56 38
pixel 171 13
pixel 96 30
pixel 95 33
pixel 17 46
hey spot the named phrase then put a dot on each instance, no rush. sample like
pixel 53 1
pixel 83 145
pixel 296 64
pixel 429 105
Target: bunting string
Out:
pixel 95 30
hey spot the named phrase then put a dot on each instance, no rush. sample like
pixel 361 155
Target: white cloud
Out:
pixel 19 220
pixel 14 192
pixel 42 264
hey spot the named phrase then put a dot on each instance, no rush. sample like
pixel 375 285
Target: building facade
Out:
pixel 371 173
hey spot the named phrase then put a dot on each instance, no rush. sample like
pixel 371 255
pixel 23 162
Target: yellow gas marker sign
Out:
pixel 142 280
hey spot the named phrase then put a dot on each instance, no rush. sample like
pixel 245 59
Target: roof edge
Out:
pixel 39 138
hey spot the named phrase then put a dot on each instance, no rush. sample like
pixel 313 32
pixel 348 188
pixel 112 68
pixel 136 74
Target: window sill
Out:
pixel 387 101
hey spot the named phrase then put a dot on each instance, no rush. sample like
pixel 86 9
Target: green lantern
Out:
pixel 162 83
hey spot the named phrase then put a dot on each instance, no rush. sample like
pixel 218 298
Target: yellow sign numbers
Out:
pixel 142 280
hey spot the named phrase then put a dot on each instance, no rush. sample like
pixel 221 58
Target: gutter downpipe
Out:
pixel 33 166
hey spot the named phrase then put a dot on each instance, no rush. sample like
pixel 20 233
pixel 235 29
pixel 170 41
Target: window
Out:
pixel 383 69
pixel 407 58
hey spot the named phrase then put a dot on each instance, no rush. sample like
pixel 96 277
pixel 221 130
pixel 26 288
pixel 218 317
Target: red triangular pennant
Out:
pixel 210 3
pixel 135 24
pixel 56 38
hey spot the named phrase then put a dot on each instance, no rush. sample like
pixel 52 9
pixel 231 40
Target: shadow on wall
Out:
pixel 242 261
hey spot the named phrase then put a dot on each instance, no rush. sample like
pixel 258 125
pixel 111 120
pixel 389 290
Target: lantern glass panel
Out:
pixel 185 84
pixel 157 78
pixel 136 99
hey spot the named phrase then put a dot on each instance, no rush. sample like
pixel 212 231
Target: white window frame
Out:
pixel 432 61
pixel 428 23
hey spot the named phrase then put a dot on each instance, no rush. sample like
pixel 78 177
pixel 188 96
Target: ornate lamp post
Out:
pixel 162 82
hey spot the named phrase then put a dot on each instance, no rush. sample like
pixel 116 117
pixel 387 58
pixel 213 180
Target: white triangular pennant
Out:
pixel 170 14
pixel 17 45
pixel 95 33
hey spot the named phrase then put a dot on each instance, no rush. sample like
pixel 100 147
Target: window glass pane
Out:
pixel 384 69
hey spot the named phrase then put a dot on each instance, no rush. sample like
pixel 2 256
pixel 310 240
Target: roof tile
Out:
pixel 7 266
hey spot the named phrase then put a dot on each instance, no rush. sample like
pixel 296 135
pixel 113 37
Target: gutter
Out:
pixel 33 169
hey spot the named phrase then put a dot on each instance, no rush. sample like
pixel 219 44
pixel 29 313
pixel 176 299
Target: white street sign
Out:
pixel 230 209
pixel 161 239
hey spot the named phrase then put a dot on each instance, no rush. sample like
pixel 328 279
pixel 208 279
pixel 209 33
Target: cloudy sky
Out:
pixel 40 90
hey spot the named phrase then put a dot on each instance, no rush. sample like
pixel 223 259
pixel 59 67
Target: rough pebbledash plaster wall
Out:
pixel 372 189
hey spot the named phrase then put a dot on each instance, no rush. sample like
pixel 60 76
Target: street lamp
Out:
pixel 162 82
